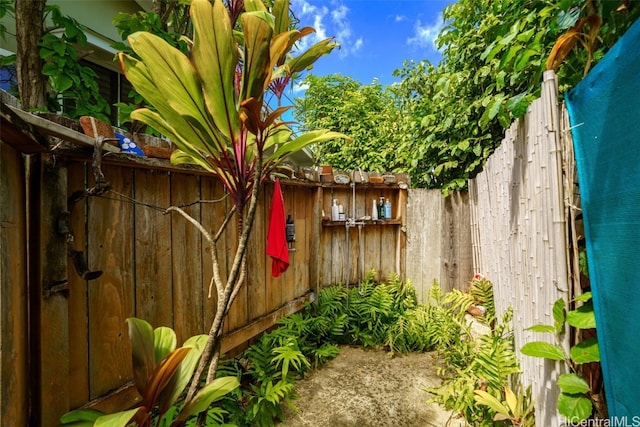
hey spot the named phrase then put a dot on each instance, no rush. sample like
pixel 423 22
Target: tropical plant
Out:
pixel 515 409
pixel 575 399
pixel 211 105
pixel 487 362
pixel 160 372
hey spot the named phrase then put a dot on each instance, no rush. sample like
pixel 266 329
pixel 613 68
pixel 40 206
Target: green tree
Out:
pixel 367 113
pixel 494 54
pixel 50 75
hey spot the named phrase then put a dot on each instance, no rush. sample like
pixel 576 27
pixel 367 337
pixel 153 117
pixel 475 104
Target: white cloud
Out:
pixel 399 18
pixel 425 35
pixel 327 24
pixel 299 88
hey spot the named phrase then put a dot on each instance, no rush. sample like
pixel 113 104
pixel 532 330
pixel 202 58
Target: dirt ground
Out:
pixel 368 388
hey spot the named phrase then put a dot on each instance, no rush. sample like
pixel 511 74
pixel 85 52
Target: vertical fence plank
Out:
pixel 258 263
pixel 186 253
pixel 111 296
pixel 213 213
pixel 153 248
pixel 14 376
pixel 423 240
pixel 53 324
pixel 78 293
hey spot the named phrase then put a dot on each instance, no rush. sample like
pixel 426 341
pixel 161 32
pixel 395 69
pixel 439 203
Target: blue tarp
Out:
pixel 604 110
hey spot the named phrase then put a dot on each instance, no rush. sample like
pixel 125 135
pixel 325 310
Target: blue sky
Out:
pixel 375 36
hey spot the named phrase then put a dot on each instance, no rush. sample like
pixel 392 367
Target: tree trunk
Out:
pixel 29 31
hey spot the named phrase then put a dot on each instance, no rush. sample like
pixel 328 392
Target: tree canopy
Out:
pixel 367 113
pixel 442 121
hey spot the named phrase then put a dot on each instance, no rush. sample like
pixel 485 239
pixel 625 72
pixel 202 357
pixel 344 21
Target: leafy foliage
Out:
pixel 161 372
pixel 74 86
pixel 575 400
pixel 494 54
pixel 516 409
pixel 367 113
pixel 441 122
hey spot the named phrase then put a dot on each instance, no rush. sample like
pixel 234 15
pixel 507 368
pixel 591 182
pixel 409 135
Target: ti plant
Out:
pixel 575 401
pixel 211 104
pixel 160 372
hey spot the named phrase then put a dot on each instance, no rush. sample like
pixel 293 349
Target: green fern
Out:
pixel 290 356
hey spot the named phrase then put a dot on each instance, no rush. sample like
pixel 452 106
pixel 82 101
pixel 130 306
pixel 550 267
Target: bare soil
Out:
pixel 369 388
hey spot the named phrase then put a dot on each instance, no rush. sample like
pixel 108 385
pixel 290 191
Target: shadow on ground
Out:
pixel 368 388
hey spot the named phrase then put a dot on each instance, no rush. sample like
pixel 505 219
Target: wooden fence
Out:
pixel 64 341
pixel 438 241
pixel 63 336
pixel 521 208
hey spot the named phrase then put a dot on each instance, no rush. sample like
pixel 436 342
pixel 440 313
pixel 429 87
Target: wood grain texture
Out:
pixel 78 293
pixel 14 374
pixel 53 324
pixel 111 297
pixel 186 253
pixel 259 265
pixel 154 266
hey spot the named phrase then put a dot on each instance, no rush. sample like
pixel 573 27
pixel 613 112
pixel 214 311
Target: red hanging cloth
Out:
pixel 277 247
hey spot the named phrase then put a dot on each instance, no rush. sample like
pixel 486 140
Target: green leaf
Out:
pixel 60 47
pixel 559 315
pixel 585 351
pixel 215 55
pixel 7 60
pixel 119 419
pixel 80 414
pixel 492 109
pixel 50 69
pixel 542 349
pixel 61 82
pixel 518 104
pixel 164 342
pixel 583 317
pixel 142 351
pixel 524 59
pixel 257 35
pixel 210 393
pixel 280 12
pixel 574 407
pixel 483 398
pixel 584 297
pixel 541 328
pixel 183 375
pixel 173 77
pixel 572 384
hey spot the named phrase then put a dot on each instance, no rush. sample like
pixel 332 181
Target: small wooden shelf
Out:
pixel 329 223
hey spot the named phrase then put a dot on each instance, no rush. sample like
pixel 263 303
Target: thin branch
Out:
pixel 193 221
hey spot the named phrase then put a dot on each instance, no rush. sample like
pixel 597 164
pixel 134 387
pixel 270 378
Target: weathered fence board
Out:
pixel 438 241
pixel 51 322
pixel 14 374
pixel 112 297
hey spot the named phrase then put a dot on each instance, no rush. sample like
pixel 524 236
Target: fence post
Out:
pixel 50 325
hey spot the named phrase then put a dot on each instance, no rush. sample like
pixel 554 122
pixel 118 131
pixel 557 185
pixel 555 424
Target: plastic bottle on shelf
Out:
pixel 335 210
pixel 374 210
pixel 387 209
pixel 341 215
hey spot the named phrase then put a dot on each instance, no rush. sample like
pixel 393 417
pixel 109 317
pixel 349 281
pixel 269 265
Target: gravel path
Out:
pixel 368 388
